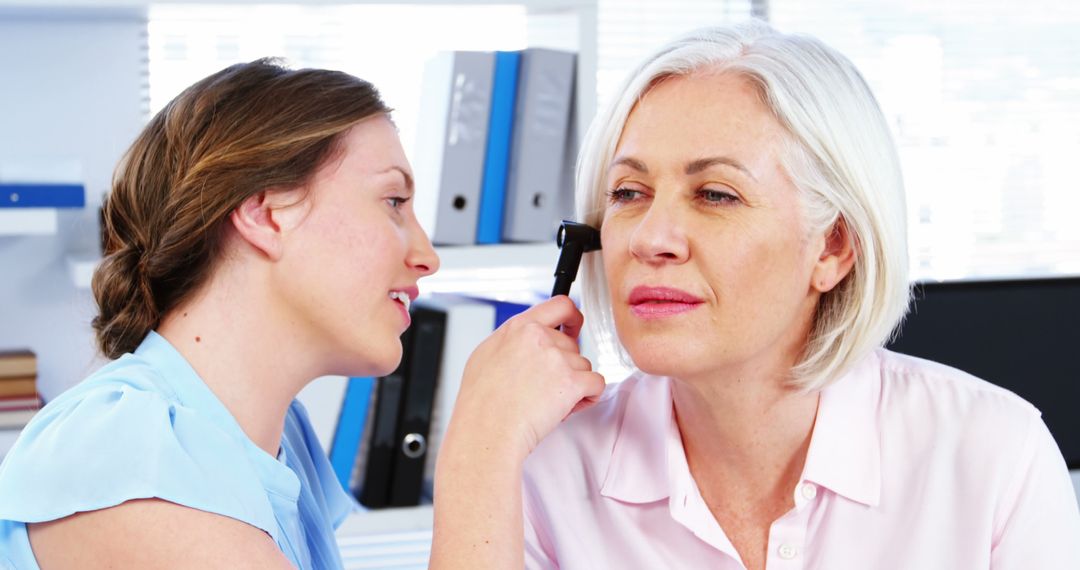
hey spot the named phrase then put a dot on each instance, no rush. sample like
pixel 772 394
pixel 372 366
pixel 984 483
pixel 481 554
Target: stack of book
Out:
pixel 19 399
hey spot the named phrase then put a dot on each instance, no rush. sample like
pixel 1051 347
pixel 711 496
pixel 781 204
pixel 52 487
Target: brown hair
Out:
pixel 247 128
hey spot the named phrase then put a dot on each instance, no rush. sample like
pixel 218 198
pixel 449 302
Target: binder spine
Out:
pixel 14 195
pixel 419 397
pixel 497 157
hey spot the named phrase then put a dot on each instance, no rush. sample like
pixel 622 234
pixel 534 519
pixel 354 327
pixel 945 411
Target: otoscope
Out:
pixel 575 239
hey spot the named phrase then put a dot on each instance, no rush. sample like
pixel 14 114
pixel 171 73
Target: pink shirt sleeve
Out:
pixel 1037 523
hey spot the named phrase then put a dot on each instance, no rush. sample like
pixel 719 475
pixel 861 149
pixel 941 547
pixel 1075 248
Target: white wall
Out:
pixel 71 89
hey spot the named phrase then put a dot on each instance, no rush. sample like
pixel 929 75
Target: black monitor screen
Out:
pixel 1023 335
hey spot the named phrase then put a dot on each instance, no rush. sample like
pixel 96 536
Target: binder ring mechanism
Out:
pixel 413 445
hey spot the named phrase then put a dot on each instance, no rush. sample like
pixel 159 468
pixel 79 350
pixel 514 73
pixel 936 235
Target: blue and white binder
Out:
pixel 455 109
pixel 350 428
pixel 541 134
pixel 500 138
pixel 41 195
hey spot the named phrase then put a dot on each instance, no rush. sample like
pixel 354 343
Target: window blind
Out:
pixel 983 99
pixel 385 44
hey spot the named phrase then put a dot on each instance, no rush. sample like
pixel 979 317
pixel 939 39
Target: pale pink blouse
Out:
pixel 911 465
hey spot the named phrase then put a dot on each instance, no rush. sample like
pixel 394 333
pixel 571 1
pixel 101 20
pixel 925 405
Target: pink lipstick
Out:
pixel 660 302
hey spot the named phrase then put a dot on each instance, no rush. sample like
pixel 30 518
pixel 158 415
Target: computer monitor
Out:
pixel 1023 335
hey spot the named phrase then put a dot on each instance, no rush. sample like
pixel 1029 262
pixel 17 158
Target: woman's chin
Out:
pixel 665 361
pixel 374 364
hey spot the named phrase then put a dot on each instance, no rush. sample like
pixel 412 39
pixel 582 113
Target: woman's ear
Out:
pixel 255 223
pixel 836 258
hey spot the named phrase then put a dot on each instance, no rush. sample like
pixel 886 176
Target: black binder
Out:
pixel 414 423
pixel 374 491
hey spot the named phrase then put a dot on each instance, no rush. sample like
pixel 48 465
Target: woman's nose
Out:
pixel 421 256
pixel 659 236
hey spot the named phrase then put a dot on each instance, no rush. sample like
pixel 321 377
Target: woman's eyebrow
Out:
pixel 631 162
pixel 702 164
pixel 693 167
pixel 404 173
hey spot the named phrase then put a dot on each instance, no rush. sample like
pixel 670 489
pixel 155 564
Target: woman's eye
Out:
pixel 396 202
pixel 622 195
pixel 718 197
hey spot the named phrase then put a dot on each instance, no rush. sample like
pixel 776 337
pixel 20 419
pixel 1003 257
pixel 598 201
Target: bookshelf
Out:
pixel 490 268
pixel 28 221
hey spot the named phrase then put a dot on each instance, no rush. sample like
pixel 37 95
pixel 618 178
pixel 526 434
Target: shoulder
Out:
pixel 164 532
pixel 934 391
pixel 122 434
pixel 309 461
pixel 929 411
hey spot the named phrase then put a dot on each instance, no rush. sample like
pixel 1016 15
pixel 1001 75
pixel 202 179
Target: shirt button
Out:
pixel 809 491
pixel 787 551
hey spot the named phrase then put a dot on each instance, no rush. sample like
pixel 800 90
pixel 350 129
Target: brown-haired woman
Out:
pixel 259 236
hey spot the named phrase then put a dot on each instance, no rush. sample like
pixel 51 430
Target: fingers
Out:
pixel 554 312
pixel 578 363
pixel 592 386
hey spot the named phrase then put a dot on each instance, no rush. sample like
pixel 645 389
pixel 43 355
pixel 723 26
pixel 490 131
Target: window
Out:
pixel 984 102
pixel 385 44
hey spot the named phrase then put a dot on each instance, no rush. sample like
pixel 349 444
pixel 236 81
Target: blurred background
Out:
pixel 983 97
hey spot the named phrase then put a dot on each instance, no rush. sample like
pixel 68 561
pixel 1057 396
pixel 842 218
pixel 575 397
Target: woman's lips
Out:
pixel 661 302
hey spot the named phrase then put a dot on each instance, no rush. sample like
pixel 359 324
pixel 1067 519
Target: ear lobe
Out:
pixel 836 260
pixel 254 221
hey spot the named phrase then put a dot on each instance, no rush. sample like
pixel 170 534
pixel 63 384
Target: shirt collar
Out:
pixel 190 390
pixel 845 450
pixel 638 470
pixel 844 454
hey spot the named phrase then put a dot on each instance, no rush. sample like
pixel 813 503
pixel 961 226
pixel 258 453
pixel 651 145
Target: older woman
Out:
pixel 752 214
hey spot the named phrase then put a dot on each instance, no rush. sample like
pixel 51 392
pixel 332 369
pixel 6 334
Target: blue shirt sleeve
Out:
pixel 114 442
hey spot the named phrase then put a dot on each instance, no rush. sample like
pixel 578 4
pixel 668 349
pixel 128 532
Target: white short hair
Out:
pixel 839 154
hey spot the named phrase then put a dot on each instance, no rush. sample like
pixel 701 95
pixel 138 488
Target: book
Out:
pixel 27 195
pixel 350 428
pixel 21 362
pixel 8 437
pixel 374 488
pixel 25 386
pixel 417 399
pixel 16 418
pixel 20 402
pixel 450 153
pixel 489 225
pixel 541 133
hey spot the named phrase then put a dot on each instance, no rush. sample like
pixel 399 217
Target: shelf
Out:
pixel 470 257
pixel 493 269
pixel 386 521
pixel 81 269
pixel 387 538
pixel 27 221
pixel 479 269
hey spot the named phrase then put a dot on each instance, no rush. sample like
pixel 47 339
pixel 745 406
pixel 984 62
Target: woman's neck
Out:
pixel 241 348
pixel 745 431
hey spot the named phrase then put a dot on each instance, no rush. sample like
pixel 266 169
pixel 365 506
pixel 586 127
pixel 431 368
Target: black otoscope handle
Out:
pixel 567 268
pixel 575 239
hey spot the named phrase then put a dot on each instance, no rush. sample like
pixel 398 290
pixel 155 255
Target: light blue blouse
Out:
pixel 146 426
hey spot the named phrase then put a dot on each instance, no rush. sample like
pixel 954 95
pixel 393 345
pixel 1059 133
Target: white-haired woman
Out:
pixel 752 213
